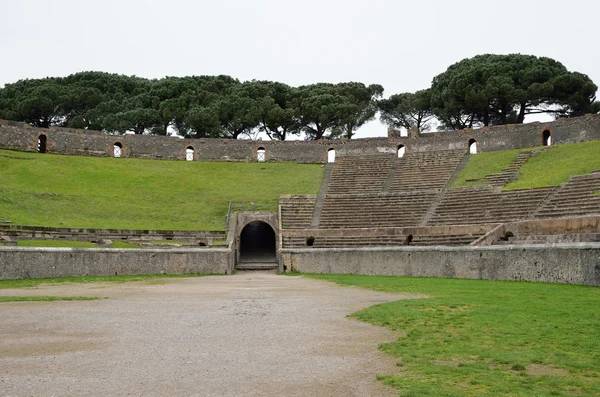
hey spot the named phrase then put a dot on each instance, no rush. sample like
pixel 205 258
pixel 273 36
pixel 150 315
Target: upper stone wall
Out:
pixel 22 137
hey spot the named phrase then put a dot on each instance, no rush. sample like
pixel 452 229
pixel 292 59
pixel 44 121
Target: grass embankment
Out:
pixel 36 282
pixel 475 337
pixel 77 191
pixel 549 168
pixel 483 164
pixel 115 243
pixel 56 243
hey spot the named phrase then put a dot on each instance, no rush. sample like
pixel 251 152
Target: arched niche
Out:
pixel 546 138
pixel 42 143
pixel 472 146
pixel 189 153
pixel 331 155
pixel 261 155
pixel 401 151
pixel 117 149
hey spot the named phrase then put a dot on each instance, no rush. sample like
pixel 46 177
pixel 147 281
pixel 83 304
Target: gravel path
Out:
pixel 252 334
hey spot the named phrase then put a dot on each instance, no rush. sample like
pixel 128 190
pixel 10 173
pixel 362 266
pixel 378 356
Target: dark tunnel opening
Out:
pixel 257 243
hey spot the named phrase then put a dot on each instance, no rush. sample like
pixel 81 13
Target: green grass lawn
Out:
pixel 78 191
pixel 485 163
pixel 488 338
pixel 553 167
pixel 35 282
pixel 124 244
pixel 56 243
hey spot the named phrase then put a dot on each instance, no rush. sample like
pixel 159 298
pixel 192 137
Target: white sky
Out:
pixel 399 44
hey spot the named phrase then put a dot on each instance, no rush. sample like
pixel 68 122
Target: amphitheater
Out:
pixel 386 206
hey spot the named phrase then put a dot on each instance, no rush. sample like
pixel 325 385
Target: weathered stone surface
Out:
pixel 19 136
pixel 21 262
pixel 557 263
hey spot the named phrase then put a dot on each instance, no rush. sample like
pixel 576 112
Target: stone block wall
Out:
pixel 577 263
pixel 21 262
pixel 22 137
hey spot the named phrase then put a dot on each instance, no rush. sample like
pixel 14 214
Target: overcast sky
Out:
pixel 401 45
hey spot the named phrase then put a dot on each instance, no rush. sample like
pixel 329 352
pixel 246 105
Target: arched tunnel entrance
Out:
pixel 257 246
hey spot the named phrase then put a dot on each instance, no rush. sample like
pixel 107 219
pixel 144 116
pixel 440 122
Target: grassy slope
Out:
pixel 71 191
pixel 550 168
pixel 553 167
pixel 475 337
pixel 482 164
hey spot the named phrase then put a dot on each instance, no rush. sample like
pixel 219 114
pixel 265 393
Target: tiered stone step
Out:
pixel 375 210
pixel 297 210
pixel 360 174
pixel 552 239
pixel 293 242
pixel 580 196
pixel 426 170
pixel 477 205
pixel 518 204
pixel 509 173
pixel 445 239
pixel 363 241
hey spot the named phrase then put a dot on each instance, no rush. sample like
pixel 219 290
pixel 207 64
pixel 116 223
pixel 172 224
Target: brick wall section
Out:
pixel 19 136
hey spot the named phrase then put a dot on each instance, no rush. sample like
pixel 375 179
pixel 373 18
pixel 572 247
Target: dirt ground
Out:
pixel 252 334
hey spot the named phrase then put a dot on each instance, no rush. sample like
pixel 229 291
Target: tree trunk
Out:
pixel 521 117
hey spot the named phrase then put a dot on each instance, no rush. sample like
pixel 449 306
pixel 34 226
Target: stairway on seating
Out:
pixel 509 173
pixel 297 210
pixel 359 174
pixel 425 170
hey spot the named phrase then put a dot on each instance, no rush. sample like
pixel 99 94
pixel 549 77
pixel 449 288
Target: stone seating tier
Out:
pixel 297 211
pixel 579 196
pixel 381 240
pixel 487 205
pixel 445 239
pixel 380 210
pixel 552 239
pixel 425 170
pixel 364 174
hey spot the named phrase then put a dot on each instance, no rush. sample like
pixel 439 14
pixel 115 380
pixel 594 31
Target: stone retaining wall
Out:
pixel 21 262
pixel 22 137
pixel 557 263
pixel 21 232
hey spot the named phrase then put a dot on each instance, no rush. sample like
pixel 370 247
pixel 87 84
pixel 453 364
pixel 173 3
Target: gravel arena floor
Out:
pixel 251 334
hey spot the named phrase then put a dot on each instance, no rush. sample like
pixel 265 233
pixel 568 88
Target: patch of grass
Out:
pixel 482 164
pixel 141 194
pixel 34 282
pixel 56 243
pixel 45 298
pixel 477 337
pixel 124 244
pixel 167 242
pixel 553 167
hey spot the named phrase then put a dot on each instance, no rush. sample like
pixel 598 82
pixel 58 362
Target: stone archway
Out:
pixel 258 246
